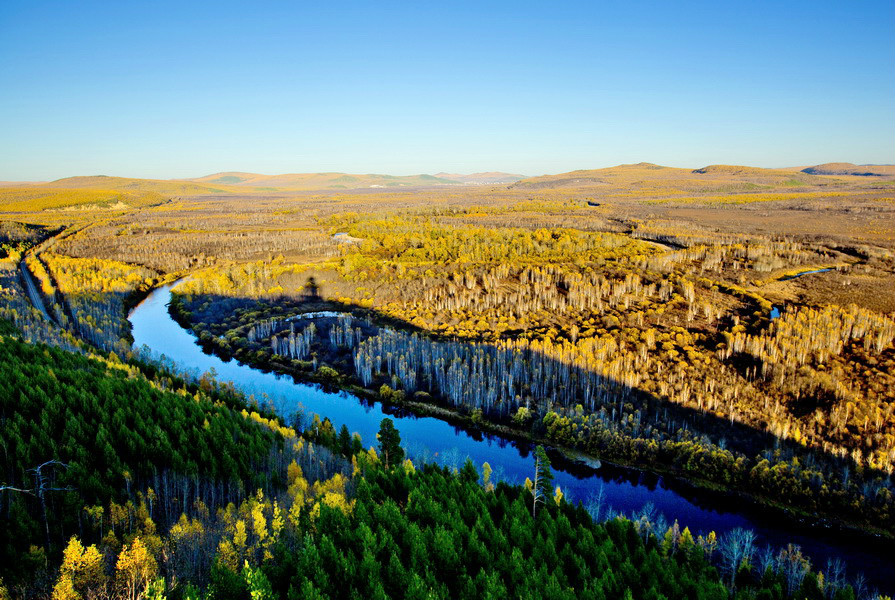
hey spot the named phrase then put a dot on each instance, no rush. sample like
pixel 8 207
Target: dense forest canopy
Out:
pixel 164 519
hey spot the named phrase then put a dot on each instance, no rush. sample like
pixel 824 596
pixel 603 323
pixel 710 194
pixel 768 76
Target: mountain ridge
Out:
pixel 234 180
pixel 489 177
pixel 323 180
pixel 843 168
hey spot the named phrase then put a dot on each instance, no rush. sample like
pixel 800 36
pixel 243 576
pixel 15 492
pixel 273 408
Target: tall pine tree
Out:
pixel 389 443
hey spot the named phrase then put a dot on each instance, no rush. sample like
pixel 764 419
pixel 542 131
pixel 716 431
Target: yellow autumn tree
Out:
pixel 82 574
pixel 135 569
pixel 240 537
pixel 486 477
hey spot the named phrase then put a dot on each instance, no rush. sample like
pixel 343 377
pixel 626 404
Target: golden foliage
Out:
pixel 135 569
pixel 82 574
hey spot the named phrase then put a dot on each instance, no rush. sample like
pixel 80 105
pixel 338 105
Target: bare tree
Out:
pixel 793 565
pixel 860 585
pixel 765 559
pixel 41 487
pixel 736 547
pixel 543 477
pixel 834 576
pixel 595 505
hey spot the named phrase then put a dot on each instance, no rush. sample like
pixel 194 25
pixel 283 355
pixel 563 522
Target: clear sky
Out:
pixel 184 89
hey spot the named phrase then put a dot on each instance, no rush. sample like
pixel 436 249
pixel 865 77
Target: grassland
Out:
pixel 93 193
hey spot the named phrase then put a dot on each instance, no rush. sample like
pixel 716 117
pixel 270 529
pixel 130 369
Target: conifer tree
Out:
pixel 344 441
pixel 389 443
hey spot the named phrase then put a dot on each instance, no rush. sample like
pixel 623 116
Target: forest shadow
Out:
pixel 678 423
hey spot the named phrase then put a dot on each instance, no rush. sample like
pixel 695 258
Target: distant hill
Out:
pixel 649 178
pixel 598 177
pixel 629 180
pixel 736 170
pixel 95 193
pixel 842 168
pixel 490 178
pixel 318 181
pixel 129 184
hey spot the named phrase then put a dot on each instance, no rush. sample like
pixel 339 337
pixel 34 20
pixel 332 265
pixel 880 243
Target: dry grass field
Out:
pixel 175 225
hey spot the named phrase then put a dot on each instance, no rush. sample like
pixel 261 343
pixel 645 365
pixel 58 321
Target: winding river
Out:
pixel 775 311
pixel 622 489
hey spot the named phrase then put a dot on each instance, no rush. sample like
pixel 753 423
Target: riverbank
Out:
pixel 615 489
pixel 457 418
pixel 474 422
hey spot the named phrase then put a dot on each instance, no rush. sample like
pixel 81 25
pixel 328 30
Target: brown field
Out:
pixel 174 225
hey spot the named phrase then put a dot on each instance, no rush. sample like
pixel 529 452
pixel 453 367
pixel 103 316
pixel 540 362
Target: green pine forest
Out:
pixel 123 480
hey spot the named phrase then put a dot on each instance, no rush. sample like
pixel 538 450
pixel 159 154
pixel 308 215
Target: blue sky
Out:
pixel 180 89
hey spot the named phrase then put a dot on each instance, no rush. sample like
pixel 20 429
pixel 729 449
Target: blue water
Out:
pixel 775 312
pixel 622 489
pixel 788 277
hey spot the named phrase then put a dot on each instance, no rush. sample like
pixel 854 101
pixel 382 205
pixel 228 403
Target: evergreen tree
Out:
pixel 389 443
pixel 344 441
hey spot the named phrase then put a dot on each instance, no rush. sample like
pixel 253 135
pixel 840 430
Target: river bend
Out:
pixel 623 489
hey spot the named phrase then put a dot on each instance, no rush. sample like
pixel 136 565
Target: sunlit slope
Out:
pixel 646 181
pixel 652 175
pixel 726 183
pixel 489 178
pixel 162 186
pixel 319 181
pixel 851 169
pixel 96 193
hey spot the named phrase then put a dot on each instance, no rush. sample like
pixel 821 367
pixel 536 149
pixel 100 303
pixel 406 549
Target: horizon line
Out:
pixel 433 174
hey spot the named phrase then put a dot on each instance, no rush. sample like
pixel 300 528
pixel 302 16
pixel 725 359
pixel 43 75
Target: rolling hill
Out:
pixel 851 169
pixel 319 181
pixel 490 178
pixel 712 177
pixel 628 180
pixel 601 177
pixel 95 192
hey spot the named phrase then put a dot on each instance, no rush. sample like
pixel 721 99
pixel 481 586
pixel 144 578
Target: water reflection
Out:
pixel 620 489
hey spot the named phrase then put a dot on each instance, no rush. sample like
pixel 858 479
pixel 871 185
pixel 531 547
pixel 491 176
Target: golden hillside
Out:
pixel 95 193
